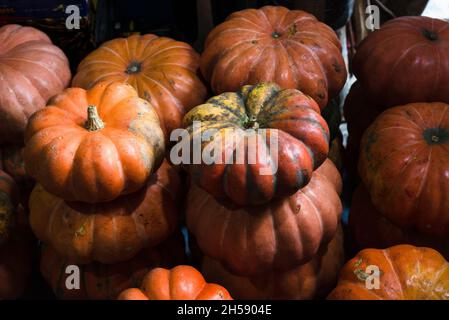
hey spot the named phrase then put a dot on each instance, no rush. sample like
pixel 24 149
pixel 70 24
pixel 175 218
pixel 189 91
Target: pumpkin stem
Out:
pixel 94 121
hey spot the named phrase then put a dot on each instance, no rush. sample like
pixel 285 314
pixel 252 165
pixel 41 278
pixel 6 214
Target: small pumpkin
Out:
pixel 289 47
pixel 281 129
pixel 370 229
pixel 13 164
pixel 9 202
pixel 162 70
pixel 94 145
pixel 406 273
pixel 106 281
pixel 113 231
pixel 276 237
pixel 32 70
pixel 180 283
pixel 311 280
pixel 405 61
pixel 404 163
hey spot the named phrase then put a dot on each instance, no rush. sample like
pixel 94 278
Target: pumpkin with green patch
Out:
pixel 404 163
pixel 404 272
pixel 9 201
pixel 113 231
pixel 264 143
pixel 94 145
pixel 105 281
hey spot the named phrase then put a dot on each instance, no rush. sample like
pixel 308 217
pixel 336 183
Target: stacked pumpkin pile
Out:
pixel 400 107
pixel 266 215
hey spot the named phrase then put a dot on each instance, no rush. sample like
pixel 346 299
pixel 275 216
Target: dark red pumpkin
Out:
pixel 288 47
pixel 405 61
pixel 278 236
pixel 9 202
pixel 32 70
pixel 404 163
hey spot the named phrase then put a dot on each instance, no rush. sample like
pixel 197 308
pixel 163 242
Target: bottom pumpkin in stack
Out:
pixel 405 273
pixel 371 229
pixel 311 280
pixel 102 281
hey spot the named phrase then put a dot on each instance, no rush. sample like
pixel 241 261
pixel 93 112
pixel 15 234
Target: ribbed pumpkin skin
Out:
pixel 302 143
pixel 406 273
pixel 9 200
pixel 32 70
pixel 78 161
pixel 108 232
pixel 371 229
pixel 106 281
pixel 278 236
pixel 308 281
pixel 404 163
pixel 166 75
pixel 289 47
pixel 399 63
pixel 180 283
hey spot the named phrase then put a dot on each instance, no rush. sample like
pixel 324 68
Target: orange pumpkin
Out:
pixel 405 273
pixel 404 163
pixel 371 229
pixel 106 281
pixel 162 70
pixel 180 283
pixel 94 145
pixel 113 231
pixel 32 70
pixel 288 47
pixel 278 236
pixel 308 281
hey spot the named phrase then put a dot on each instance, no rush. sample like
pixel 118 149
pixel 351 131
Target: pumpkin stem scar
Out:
pixel 94 121
pixel 133 67
pixel 430 35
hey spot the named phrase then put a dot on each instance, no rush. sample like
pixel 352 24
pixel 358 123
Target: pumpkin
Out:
pixel 404 163
pixel 94 145
pixel 276 237
pixel 106 281
pixel 370 229
pixel 108 232
pixel 289 47
pixel 406 273
pixel 32 70
pixel 282 131
pixel 405 61
pixel 9 201
pixel 180 283
pixel 16 256
pixel 162 70
pixel 307 281
pixel 13 164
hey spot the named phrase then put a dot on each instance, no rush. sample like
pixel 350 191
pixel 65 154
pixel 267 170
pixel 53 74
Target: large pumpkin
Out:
pixel 103 281
pixel 404 163
pixel 162 70
pixel 289 47
pixel 308 281
pixel 278 236
pixel 9 201
pixel 180 283
pixel 32 70
pixel 113 231
pixel 94 145
pixel 405 61
pixel 370 229
pixel 406 273
pixel 282 130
